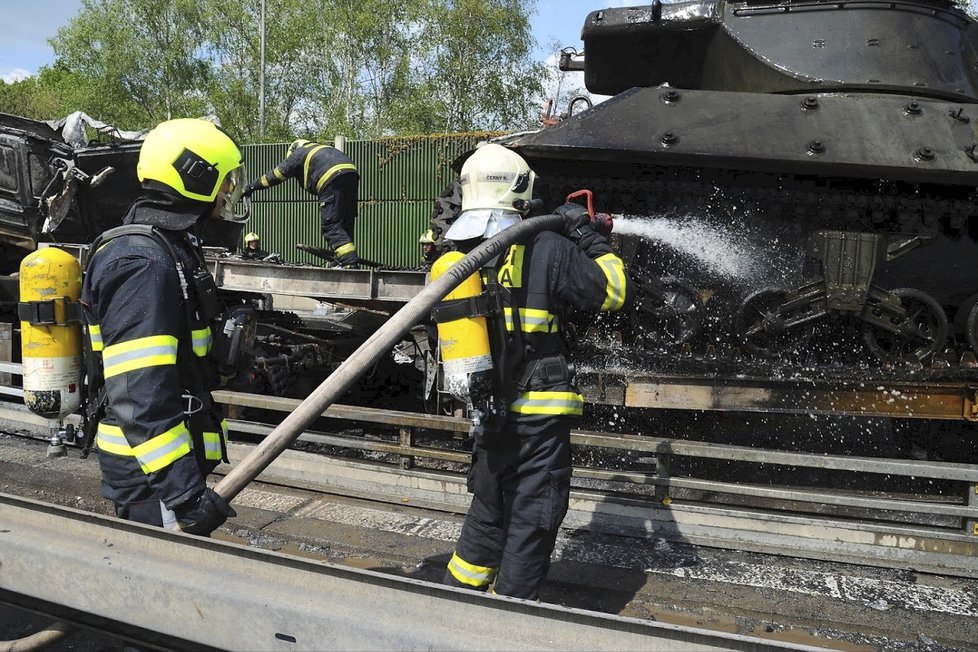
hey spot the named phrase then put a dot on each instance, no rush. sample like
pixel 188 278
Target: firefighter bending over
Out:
pixel 329 174
pixel 149 303
pixel 521 463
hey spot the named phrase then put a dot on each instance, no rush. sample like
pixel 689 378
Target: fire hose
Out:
pixel 371 350
pixel 39 640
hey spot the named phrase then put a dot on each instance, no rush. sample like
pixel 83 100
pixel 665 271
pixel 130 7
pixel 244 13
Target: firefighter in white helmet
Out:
pixel 521 468
pixel 428 251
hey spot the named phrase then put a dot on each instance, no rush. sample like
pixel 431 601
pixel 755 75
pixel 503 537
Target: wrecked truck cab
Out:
pixel 55 191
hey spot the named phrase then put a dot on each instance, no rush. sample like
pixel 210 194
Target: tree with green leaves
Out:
pixel 480 82
pixel 362 68
pixel 144 53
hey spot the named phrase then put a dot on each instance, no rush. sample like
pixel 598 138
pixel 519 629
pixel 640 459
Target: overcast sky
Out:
pixel 27 25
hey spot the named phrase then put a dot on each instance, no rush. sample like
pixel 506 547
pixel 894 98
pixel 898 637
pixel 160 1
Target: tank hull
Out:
pixel 805 174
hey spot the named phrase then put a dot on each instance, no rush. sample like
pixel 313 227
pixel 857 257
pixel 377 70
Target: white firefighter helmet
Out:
pixel 497 185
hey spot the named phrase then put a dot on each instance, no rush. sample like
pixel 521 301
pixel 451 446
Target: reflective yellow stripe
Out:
pixel 328 174
pixel 152 455
pixel 614 271
pixel 95 335
pixel 202 341
pixel 111 440
pixel 552 403
pixel 156 350
pixel 213 442
pixel 306 163
pixel 342 250
pixel 511 273
pixel 212 445
pixel 278 174
pixel 532 320
pixel 264 181
pixel 470 574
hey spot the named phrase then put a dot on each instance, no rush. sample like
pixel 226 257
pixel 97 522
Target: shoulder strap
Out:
pixel 95 391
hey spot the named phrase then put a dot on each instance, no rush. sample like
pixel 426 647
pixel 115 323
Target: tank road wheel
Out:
pixel 667 312
pixel 928 336
pixel 764 329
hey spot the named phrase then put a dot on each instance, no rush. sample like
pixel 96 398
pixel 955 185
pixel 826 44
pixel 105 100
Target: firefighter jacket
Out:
pixel 549 278
pixel 313 165
pixel 147 326
pixel 253 254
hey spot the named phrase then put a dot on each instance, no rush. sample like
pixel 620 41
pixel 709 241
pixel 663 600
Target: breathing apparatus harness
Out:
pixel 232 330
pixel 490 392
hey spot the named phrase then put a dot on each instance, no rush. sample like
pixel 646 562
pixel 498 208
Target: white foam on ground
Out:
pixel 663 558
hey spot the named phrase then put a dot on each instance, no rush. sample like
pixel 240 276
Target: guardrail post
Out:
pixel 971 525
pixel 407 441
pixel 6 350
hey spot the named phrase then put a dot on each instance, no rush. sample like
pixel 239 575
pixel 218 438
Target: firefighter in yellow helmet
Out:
pixel 252 249
pixel 521 467
pixel 149 303
pixel 332 176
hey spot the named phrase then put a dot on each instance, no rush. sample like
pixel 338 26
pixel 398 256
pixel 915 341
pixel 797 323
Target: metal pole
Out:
pixel 261 77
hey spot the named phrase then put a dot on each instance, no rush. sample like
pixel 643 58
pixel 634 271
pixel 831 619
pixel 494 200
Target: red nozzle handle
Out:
pixel 583 193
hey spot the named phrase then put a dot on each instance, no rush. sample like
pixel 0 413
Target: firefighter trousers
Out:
pixel 338 210
pixel 521 488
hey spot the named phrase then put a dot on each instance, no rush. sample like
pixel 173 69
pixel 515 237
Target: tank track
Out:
pixel 797 206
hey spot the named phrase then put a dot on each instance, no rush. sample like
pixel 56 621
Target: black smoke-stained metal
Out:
pixel 806 170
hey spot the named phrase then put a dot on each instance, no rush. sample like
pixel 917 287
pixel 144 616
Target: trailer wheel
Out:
pixel 763 326
pixel 925 335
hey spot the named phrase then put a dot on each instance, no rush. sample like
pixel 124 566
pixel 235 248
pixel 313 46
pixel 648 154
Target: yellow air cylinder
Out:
pixel 50 347
pixel 464 342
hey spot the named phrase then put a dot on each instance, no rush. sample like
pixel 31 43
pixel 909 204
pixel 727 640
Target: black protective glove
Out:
pixel 579 229
pixel 576 216
pixel 204 515
pixel 250 188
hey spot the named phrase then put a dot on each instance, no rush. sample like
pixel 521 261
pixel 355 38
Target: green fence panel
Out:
pixel 399 179
pixel 281 225
pixel 387 232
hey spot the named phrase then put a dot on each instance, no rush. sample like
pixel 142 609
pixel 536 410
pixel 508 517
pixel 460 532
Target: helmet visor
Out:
pixel 500 221
pixel 481 223
pixel 231 194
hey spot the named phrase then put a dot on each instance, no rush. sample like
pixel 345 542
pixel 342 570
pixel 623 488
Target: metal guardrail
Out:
pixel 225 596
pixel 870 514
pixel 745 524
pixel 10 368
pixel 661 448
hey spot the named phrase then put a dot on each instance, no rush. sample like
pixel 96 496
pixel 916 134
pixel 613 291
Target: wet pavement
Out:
pixel 816 603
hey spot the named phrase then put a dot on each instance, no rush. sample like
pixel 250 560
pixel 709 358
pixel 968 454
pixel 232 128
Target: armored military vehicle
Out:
pixel 794 181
